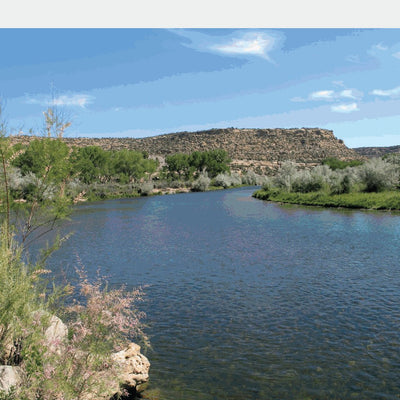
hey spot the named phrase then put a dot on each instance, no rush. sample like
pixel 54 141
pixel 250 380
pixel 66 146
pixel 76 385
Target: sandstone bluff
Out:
pixel 258 149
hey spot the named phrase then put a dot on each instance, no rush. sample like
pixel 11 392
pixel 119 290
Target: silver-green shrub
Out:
pixel 377 175
pixel 202 183
pixel 146 188
pixel 227 180
pixel 285 176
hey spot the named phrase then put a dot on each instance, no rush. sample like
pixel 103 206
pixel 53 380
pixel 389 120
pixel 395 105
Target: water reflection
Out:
pixel 249 299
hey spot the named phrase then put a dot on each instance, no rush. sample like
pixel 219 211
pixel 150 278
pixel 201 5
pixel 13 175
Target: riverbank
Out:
pixel 108 191
pixel 388 200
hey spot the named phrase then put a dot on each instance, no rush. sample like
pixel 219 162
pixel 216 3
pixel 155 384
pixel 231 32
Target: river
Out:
pixel 252 300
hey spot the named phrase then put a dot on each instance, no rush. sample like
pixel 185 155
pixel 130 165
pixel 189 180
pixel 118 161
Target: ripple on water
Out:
pixel 251 300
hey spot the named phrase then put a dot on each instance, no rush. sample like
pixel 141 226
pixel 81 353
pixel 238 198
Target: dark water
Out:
pixel 252 300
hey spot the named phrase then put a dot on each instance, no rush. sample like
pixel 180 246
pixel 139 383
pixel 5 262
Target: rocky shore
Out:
pixel 131 364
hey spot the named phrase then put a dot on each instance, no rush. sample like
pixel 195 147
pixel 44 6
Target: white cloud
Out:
pixel 348 93
pixel 322 95
pixel 380 46
pixel 331 95
pixel 78 100
pixel 396 55
pixel 345 108
pixel 255 44
pixel 387 93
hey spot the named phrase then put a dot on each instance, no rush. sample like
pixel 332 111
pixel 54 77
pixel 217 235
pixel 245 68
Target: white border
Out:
pixel 199 14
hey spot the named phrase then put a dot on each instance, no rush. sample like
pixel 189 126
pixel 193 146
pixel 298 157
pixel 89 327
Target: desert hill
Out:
pixel 259 149
pixel 376 151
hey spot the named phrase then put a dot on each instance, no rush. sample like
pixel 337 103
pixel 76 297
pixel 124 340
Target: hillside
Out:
pixel 376 151
pixel 259 149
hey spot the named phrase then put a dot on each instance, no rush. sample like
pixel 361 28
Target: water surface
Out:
pixel 252 300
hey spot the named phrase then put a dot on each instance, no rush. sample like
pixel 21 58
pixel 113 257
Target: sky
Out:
pixel 138 82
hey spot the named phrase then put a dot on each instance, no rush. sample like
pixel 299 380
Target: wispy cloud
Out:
pixel 380 46
pixel 349 94
pixel 331 95
pixel 74 100
pixel 396 55
pixel 249 44
pixel 395 92
pixel 345 108
pixel 322 95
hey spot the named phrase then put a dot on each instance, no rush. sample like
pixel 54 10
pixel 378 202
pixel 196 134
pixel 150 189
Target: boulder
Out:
pixel 134 366
pixel 55 335
pixel 10 377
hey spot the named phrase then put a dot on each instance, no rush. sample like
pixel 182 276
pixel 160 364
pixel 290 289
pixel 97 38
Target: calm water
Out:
pixel 252 300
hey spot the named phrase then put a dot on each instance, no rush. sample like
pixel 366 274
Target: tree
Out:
pixel 178 164
pixel 129 164
pixel 90 163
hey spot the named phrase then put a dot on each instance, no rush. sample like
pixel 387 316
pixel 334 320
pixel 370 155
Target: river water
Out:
pixel 253 300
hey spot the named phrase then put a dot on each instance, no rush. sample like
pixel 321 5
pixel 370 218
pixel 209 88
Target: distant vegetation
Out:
pixel 181 165
pixel 334 163
pixel 94 173
pixel 373 184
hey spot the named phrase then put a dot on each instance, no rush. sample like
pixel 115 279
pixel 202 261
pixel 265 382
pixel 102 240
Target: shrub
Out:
pixel 202 183
pixel 285 175
pixel 227 180
pixel 146 188
pixel 377 175
pixel 335 163
pixel 99 324
pixel 251 178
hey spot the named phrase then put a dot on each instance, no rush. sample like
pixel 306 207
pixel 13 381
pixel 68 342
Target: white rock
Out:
pixel 56 335
pixel 133 364
pixel 9 377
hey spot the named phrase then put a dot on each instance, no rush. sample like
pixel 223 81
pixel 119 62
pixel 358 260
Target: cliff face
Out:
pixel 376 151
pixel 260 149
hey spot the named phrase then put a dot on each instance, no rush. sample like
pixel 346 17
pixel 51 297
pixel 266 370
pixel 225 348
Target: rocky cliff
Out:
pixel 259 149
pixel 376 151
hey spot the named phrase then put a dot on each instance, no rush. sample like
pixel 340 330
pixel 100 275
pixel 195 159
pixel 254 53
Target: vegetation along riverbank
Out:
pixel 373 184
pixel 58 340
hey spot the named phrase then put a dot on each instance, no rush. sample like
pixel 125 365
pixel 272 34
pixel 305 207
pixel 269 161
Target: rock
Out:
pixel 134 366
pixel 55 335
pixel 10 377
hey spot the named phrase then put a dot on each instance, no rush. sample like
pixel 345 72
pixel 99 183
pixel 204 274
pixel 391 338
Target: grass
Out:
pixel 388 200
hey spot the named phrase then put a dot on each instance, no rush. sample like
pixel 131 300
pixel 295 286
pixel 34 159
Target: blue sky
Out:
pixel 145 82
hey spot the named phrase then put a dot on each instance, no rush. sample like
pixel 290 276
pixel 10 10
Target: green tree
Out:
pixel 130 165
pixel 217 162
pixel 45 157
pixel 90 163
pixel 178 164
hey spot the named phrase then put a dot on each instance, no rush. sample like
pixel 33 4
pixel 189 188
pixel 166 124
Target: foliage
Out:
pixel 284 177
pixel 227 180
pixel 378 175
pixel 202 183
pixel 101 322
pixel 90 163
pixel 372 184
pixel 47 158
pixel 182 165
pixel 335 163
pixel 130 165
pixel 389 200
pixel 178 165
